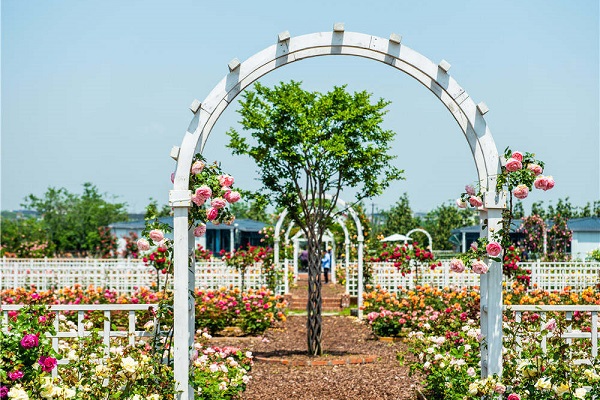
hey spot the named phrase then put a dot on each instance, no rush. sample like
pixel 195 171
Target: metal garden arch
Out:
pixel 287 49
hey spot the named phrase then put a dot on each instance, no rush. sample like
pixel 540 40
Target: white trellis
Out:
pixel 286 50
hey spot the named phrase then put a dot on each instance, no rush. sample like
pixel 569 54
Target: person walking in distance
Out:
pixel 326 264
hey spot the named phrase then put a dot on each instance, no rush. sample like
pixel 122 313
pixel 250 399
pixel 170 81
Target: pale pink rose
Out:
pixel 549 182
pixel 198 200
pixel 540 182
pixel 460 203
pixel 218 203
pixel 471 371
pixel 143 245
pixel 475 201
pixel 204 191
pixel 457 265
pixel 172 177
pixel 156 235
pixel 474 246
pixel 550 325
pixel 470 190
pixel 225 180
pixel 536 169
pixel 200 230
pixel 479 267
pixel 513 165
pixel 521 192
pixel 499 388
pixel 212 214
pixel 513 396
pixel 197 167
pixel 232 196
pixel 517 155
pixel 493 249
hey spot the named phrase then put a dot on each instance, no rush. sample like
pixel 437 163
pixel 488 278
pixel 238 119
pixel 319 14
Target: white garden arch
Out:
pixel 287 49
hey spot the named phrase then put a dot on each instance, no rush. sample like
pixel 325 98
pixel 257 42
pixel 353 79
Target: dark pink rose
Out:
pixel 15 375
pixel 47 363
pixel 513 396
pixel 42 319
pixel 521 192
pixel 475 201
pixel 29 341
pixel 212 214
pixel 513 165
pixel 517 155
pixel 493 249
pixel 536 169
pixel 172 177
pixel 3 392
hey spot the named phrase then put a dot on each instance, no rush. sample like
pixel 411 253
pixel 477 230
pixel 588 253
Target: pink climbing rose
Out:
pixel 156 235
pixel 535 168
pixel 225 180
pixel 513 396
pixel 197 167
pixel 232 196
pixel 513 165
pixel 172 177
pixel 457 265
pixel 29 341
pixel 204 192
pixel 521 191
pixel 47 363
pixel 15 375
pixel 470 190
pixel 200 230
pixel 479 267
pixel 460 203
pixel 218 203
pixel 143 244
pixel 212 214
pixel 517 155
pixel 550 325
pixel 475 201
pixel 493 249
pixel 544 182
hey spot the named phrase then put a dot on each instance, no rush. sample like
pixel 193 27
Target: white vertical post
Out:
pixel 359 299
pixel 347 254
pixel 483 313
pixel 494 300
pixel 296 251
pixel 181 303
pixel 231 240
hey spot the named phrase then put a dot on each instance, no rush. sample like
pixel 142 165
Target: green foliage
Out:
pixel 442 220
pixel 72 220
pixel 24 238
pixel 252 208
pixel 399 218
pixel 565 208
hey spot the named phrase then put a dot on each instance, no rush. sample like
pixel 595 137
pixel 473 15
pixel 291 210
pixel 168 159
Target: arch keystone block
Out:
pixel 234 64
pixel 338 27
pixel 175 152
pixel 195 106
pixel 395 38
pixel 283 36
pixel 444 65
pixel 483 108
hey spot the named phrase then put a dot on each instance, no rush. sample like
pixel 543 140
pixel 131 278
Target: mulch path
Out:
pixel 343 338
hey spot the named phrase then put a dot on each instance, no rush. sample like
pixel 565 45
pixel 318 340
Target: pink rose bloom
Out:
pixel 479 267
pixel 232 196
pixel 514 396
pixel 460 203
pixel 204 191
pixel 42 319
pixel 550 325
pixel 536 169
pixel 47 363
pixel 225 180
pixel 172 177
pixel 15 375
pixel 29 341
pixel 198 200
pixel 457 265
pixel 156 235
pixel 544 182
pixel 218 203
pixel 471 371
pixel 513 165
pixel 200 230
pixel 470 190
pixel 517 155
pixel 212 214
pixel 493 249
pixel 549 182
pixel 143 245
pixel 475 201
pixel 499 388
pixel 197 167
pixel 521 191
pixel 474 246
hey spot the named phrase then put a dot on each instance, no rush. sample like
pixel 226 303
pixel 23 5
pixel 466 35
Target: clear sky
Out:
pixel 99 91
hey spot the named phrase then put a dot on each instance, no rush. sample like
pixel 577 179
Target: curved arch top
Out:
pixel 431 75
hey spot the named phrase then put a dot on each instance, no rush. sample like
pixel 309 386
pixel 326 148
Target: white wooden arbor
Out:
pixel 287 49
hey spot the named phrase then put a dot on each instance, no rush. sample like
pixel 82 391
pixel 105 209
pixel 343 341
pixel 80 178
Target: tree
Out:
pixel 309 144
pixel 255 209
pixel 24 238
pixel 399 218
pixel 73 221
pixel 440 222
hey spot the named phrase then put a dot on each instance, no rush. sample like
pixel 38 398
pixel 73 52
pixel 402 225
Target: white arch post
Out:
pixel 287 49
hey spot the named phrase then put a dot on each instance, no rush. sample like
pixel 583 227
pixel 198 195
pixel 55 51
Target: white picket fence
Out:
pixel 126 275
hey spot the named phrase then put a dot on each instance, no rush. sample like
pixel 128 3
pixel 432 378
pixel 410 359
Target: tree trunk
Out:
pixel 313 307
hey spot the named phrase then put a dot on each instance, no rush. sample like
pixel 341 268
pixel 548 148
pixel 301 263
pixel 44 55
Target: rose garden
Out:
pixel 469 326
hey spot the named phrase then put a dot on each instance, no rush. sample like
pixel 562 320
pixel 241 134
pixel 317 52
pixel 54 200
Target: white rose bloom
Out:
pixel 427 365
pixel 473 388
pixel 69 393
pixel 153 397
pixel 17 393
pixel 580 393
pixel 467 347
pixel 72 356
pixel 543 383
pixel 223 386
pixel 129 364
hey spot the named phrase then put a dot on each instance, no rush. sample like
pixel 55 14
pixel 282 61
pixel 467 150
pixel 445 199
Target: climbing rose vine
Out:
pixel 520 174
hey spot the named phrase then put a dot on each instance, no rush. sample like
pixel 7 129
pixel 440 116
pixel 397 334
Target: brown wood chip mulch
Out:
pixel 344 338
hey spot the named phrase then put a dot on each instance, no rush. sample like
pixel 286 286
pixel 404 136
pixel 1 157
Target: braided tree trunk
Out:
pixel 313 307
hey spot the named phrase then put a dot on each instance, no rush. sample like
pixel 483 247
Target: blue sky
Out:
pixel 99 91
